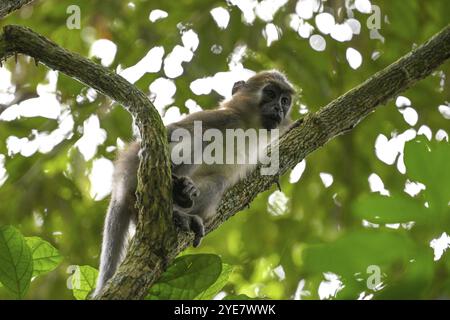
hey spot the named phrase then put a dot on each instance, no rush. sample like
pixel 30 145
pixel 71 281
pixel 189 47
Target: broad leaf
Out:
pixel 416 279
pixel 83 281
pixel 45 256
pixel 187 277
pixel 428 162
pixel 394 209
pixel 354 252
pixel 213 290
pixel 16 264
pixel 238 297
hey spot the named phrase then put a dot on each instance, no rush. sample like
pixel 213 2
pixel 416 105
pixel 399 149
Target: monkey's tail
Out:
pixel 115 233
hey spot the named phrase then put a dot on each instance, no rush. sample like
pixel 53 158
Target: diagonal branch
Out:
pixel 149 253
pixel 8 6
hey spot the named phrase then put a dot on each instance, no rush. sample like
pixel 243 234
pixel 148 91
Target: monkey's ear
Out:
pixel 237 86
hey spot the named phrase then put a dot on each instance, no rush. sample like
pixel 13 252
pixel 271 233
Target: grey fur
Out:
pixel 242 111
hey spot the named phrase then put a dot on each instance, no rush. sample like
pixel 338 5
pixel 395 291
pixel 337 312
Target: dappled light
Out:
pixel 365 216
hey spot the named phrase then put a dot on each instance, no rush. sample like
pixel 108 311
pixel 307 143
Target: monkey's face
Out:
pixel 275 104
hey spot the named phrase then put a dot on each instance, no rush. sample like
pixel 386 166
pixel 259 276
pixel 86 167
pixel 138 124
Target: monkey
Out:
pixel 262 102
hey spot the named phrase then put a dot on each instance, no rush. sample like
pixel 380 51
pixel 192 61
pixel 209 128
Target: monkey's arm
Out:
pixel 184 191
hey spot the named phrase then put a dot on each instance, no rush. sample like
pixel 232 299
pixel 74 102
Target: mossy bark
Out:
pixel 8 6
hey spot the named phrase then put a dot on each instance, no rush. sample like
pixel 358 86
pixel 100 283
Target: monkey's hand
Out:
pixel 189 222
pixel 184 191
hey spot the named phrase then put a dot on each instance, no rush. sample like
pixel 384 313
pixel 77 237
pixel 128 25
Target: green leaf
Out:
pixel 16 264
pixel 213 290
pixel 416 277
pixel 83 281
pixel 355 251
pixel 45 256
pixel 238 297
pixel 187 277
pixel 428 162
pixel 397 208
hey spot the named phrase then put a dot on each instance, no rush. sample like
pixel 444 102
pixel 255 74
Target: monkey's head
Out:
pixel 269 93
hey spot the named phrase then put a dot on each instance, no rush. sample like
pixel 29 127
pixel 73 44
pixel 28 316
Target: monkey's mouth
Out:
pixel 274 117
pixel 271 121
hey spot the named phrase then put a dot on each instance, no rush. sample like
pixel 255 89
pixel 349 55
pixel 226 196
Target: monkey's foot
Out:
pixel 184 191
pixel 189 222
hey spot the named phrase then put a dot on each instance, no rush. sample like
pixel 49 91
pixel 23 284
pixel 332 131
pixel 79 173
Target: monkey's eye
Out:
pixel 284 101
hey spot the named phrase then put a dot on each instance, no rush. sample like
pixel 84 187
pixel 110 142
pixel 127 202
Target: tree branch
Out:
pixel 150 253
pixel 8 6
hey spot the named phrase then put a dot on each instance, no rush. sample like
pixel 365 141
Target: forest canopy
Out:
pixel 367 216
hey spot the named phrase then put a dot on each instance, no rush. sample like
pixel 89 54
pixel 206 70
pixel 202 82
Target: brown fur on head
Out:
pixel 259 80
pixel 250 98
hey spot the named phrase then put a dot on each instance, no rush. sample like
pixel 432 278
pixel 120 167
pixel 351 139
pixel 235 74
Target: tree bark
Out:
pixel 7 6
pixel 156 243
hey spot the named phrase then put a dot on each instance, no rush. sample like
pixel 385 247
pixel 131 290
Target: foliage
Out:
pixel 198 276
pixel 24 257
pixel 83 281
pixel 397 252
pixel 188 277
pixel 310 241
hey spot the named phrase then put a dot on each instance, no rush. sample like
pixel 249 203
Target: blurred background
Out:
pixel 315 239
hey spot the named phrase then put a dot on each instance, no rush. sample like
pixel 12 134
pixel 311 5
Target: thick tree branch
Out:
pixel 150 253
pixel 8 6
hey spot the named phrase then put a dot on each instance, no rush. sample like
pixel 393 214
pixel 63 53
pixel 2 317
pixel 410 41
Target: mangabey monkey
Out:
pixel 262 102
